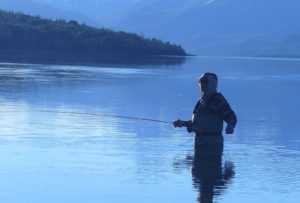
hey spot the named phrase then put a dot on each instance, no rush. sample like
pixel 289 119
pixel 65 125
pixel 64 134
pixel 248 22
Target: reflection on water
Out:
pixel 89 59
pixel 208 176
pixel 210 179
pixel 76 158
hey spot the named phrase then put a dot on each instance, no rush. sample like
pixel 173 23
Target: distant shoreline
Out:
pixel 25 37
pixel 280 58
pixel 88 59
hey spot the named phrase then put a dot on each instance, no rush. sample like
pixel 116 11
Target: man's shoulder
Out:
pixel 199 100
pixel 198 104
pixel 219 98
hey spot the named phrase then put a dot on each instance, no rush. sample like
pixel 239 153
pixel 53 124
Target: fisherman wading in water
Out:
pixel 207 124
pixel 209 113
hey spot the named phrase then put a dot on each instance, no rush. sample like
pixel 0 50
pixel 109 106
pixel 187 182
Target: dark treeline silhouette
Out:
pixel 20 32
pixel 88 59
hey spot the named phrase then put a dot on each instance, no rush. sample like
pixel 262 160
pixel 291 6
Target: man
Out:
pixel 209 113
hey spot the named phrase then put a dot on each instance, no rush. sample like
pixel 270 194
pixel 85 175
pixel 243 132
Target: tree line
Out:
pixel 27 33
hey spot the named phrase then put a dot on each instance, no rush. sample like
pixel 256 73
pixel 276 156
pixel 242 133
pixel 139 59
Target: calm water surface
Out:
pixel 48 157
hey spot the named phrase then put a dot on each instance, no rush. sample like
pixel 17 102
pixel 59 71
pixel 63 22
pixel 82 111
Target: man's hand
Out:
pixel 229 129
pixel 189 129
pixel 179 123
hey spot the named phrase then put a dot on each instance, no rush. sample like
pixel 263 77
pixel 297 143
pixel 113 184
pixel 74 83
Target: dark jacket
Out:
pixel 209 114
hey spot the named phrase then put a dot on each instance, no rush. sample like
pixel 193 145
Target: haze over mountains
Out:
pixel 206 27
pixel 45 10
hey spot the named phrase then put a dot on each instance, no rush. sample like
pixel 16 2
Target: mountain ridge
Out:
pixel 45 10
pixel 200 26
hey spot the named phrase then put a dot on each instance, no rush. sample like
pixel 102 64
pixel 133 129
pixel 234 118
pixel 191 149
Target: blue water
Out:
pixel 48 157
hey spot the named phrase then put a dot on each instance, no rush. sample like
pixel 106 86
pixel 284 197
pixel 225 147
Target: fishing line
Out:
pixel 94 114
pixel 91 114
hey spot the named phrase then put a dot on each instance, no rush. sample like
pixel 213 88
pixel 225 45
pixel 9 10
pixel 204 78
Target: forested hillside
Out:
pixel 26 33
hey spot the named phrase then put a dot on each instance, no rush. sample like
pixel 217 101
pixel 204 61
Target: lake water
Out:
pixel 64 157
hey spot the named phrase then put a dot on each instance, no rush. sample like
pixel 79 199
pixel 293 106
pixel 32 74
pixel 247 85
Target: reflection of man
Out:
pixel 209 113
pixel 208 176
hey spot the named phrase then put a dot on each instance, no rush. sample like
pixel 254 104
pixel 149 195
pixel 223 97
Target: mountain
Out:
pixel 201 26
pixel 99 10
pixel 206 27
pixel 45 10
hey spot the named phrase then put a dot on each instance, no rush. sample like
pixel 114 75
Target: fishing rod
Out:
pixel 100 115
pixel 89 114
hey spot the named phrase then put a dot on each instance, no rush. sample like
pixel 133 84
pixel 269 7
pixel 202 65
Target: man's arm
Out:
pixel 188 124
pixel 230 118
pixel 227 114
pixel 182 123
